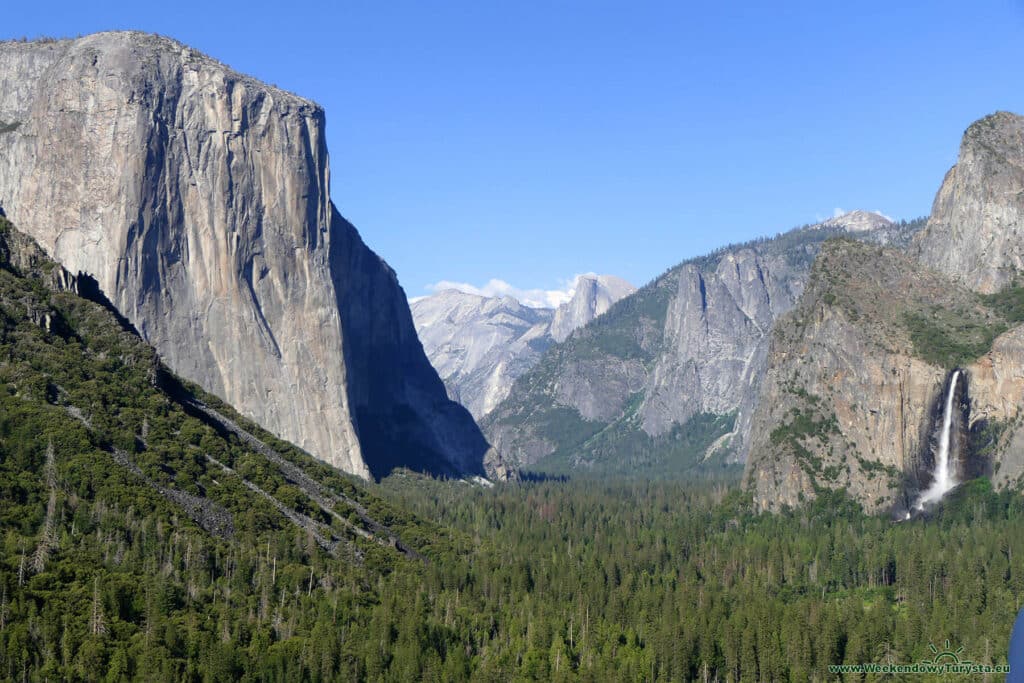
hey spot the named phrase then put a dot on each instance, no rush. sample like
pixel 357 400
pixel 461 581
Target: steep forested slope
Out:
pixel 149 531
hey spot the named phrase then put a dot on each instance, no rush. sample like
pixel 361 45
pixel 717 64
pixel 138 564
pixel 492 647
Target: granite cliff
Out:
pixel 668 377
pixel 198 199
pixel 480 345
pixel 858 371
pixel 975 233
pixel 592 296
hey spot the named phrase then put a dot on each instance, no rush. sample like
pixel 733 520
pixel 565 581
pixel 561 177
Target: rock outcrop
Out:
pixel 846 401
pixel 593 296
pixel 856 377
pixel 976 230
pixel 480 345
pixel 690 346
pixel 858 371
pixel 198 199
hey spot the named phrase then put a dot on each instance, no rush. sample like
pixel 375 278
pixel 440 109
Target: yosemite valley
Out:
pixel 237 445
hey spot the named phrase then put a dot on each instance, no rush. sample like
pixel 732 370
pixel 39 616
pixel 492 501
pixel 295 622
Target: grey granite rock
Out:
pixel 850 395
pixel 593 296
pixel 198 198
pixel 976 230
pixel 692 342
pixel 480 345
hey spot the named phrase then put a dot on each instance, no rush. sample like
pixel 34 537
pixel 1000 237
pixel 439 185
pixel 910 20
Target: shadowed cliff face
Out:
pixel 198 199
pixel 402 410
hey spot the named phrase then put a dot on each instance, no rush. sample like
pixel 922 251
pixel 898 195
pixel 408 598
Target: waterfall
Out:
pixel 944 477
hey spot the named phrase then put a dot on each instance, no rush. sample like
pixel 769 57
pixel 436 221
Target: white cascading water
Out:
pixel 945 471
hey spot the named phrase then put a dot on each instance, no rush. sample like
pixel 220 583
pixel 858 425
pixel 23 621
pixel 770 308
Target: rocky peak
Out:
pixel 976 230
pixel 593 296
pixel 480 345
pixel 858 221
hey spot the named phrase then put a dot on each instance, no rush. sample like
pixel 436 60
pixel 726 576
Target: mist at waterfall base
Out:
pixel 944 476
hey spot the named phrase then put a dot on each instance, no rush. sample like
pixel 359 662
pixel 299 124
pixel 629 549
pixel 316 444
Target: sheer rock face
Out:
pixel 688 343
pixel 715 332
pixel 198 199
pixel 996 385
pixel 480 345
pixel 849 402
pixel 694 341
pixel 976 230
pixel 844 403
pixel 845 358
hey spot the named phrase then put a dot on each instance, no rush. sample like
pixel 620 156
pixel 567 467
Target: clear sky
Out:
pixel 531 140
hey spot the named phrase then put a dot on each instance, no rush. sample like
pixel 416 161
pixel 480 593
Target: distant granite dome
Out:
pixel 480 345
pixel 858 221
pixel 593 296
pixel 198 198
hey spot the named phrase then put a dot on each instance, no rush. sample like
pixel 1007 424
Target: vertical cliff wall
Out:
pixel 198 199
pixel 976 230
pixel 857 379
pixel 856 373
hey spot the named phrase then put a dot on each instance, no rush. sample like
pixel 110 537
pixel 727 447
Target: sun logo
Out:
pixel 947 656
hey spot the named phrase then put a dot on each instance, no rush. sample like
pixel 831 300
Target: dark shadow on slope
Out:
pixel 88 288
pixel 403 416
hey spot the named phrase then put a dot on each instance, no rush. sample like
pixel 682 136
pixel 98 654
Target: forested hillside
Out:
pixel 148 531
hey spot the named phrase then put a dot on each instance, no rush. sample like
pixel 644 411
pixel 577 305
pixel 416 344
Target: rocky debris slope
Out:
pixel 480 345
pixel 671 372
pixel 198 200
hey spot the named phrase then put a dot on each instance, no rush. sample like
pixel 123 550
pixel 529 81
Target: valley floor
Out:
pixel 556 580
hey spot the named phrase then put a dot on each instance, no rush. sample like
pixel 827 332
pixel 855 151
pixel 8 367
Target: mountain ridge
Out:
pixel 689 346
pixel 858 370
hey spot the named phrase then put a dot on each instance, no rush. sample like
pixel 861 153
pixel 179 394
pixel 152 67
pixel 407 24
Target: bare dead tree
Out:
pixel 97 624
pixel 48 538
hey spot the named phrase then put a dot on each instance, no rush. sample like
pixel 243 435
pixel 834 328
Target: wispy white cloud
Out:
pixel 535 298
pixel 837 212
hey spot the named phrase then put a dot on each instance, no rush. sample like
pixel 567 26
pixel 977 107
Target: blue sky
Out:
pixel 529 141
